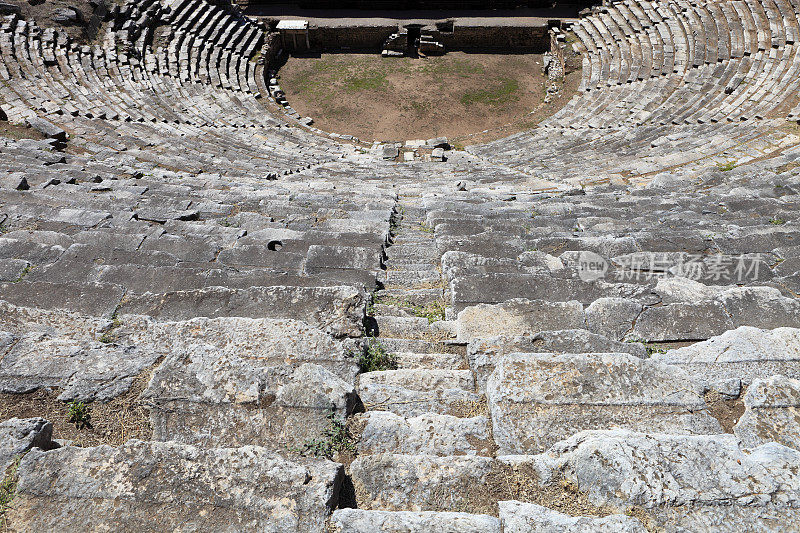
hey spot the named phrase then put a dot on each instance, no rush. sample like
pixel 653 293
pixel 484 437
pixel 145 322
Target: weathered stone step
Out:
pixel 413 253
pixel 409 298
pixel 429 434
pixel 337 310
pixel 394 344
pixel 415 328
pixel 447 361
pixel 413 392
pixel 538 399
pixel 105 488
pixel 514 517
pixel 414 279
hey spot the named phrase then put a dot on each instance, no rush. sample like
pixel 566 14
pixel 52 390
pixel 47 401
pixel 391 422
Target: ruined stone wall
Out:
pixel 462 38
pixel 353 37
pixel 496 38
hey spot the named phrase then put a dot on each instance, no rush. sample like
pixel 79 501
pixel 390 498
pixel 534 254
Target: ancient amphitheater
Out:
pixel 216 317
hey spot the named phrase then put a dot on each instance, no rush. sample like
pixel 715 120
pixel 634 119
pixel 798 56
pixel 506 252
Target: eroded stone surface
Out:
pixel 484 353
pixel 361 521
pixel 684 480
pixel 17 436
pixel 385 432
pixel 519 517
pixel 744 353
pixel 538 399
pixel 153 486
pixel 518 317
pixel 772 413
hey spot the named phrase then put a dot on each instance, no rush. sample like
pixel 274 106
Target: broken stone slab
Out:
pixel 47 128
pixel 681 322
pixel 491 288
pixel 761 307
pixel 66 16
pixel 337 310
pixel 82 370
pixel 772 413
pixel 521 517
pixel 164 486
pixel 686 482
pixel 361 521
pixel 518 317
pixel 536 400
pixel 431 434
pixel 18 435
pixel 437 154
pixel 612 317
pixel 483 354
pixel 744 353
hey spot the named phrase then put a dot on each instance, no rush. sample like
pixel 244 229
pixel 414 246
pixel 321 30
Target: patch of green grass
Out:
pixel 375 358
pixel 775 221
pixel 726 167
pixel 506 92
pixel 8 489
pixel 78 414
pixel 433 311
pixel 366 81
pixel 335 440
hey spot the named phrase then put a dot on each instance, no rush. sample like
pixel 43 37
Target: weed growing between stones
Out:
pixel 78 414
pixel 24 273
pixel 433 311
pixel 726 167
pixel 375 358
pixel 335 441
pixel 8 490
pixel 775 221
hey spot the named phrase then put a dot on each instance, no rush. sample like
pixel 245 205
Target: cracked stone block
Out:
pixel 772 413
pixel 166 486
pixel 537 400
pixel 744 353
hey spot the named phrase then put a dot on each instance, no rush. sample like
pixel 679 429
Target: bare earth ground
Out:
pixel 396 99
pixel 42 12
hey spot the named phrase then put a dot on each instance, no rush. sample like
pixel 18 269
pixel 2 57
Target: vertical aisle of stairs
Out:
pixel 425 406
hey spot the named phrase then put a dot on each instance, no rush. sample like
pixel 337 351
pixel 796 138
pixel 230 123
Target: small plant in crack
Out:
pixel 375 358
pixel 335 440
pixel 8 489
pixel 108 336
pixel 433 311
pixel 78 414
pixel 425 228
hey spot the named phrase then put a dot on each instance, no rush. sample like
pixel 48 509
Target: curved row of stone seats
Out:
pixel 89 89
pixel 102 234
pixel 744 77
